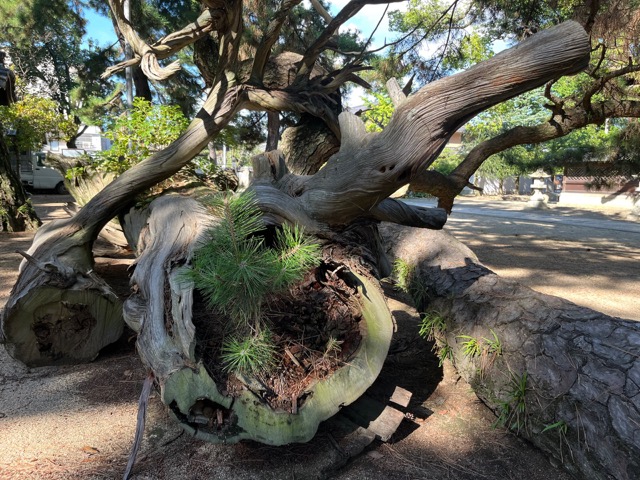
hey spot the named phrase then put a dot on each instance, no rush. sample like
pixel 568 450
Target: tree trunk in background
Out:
pixel 140 80
pixel 141 84
pixel 273 130
pixel 308 145
pixel 565 377
pixel 213 156
pixel 16 212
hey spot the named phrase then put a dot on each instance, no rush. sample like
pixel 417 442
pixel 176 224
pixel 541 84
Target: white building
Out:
pixel 91 140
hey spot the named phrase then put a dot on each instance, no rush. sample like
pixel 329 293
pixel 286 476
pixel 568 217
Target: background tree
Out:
pixel 33 119
pixel 45 42
pixel 16 212
pixel 29 120
pixel 604 91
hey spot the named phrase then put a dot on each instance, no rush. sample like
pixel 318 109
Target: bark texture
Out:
pixel 564 368
pixel 308 145
pixel 370 167
pixel 16 212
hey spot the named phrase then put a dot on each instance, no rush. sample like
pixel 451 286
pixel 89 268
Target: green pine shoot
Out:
pixel 236 271
pixel 253 354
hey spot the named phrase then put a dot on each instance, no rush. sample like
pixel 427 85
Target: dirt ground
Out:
pixel 78 422
pixel 593 267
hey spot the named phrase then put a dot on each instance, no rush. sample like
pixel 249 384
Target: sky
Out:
pixel 100 29
pixel 367 18
pixel 365 22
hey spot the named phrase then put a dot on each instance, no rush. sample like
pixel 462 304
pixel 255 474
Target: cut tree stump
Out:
pixel 160 310
pixel 67 315
pixel 249 417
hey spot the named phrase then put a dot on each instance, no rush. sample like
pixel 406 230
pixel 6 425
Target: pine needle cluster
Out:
pixel 252 354
pixel 236 271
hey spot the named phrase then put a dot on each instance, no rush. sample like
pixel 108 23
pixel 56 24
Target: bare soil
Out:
pixel 78 422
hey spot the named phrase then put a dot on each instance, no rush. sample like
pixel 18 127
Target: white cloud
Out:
pixel 349 27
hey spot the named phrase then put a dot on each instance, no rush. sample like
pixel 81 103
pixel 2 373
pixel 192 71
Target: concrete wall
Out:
pixel 491 186
pixel 627 200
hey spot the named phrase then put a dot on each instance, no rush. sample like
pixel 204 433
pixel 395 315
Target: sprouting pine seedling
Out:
pixel 236 271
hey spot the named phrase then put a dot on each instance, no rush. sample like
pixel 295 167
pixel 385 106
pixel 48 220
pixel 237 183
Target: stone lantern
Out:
pixel 538 186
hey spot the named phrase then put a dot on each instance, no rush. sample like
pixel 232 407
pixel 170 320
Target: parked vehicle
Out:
pixel 35 174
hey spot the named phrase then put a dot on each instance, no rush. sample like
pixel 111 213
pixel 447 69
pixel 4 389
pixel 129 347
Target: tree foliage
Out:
pixel 379 109
pixel 135 135
pixel 32 119
pixel 44 39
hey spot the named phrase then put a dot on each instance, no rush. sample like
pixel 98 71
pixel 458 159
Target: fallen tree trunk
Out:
pixel 565 377
pixel 83 188
pixel 62 312
pixel 61 253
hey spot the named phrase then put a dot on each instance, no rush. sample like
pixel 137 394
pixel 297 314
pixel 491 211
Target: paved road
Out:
pixel 555 215
pixel 591 258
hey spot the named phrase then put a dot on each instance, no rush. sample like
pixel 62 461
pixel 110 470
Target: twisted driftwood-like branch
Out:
pixel 446 188
pixel 353 184
pixel 147 56
pixel 370 167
